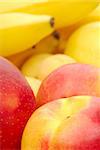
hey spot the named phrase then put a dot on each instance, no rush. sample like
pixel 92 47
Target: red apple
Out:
pixel 17 102
pixel 65 124
pixel 70 80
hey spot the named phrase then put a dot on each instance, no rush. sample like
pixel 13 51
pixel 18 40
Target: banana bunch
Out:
pixel 28 27
pixel 20 31
pixel 65 13
pixel 47 45
pixel 65 32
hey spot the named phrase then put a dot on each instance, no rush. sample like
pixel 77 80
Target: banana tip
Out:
pixel 52 22
pixel 56 35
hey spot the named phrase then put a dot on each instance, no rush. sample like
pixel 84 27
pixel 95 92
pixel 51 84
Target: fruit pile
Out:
pixel 49 75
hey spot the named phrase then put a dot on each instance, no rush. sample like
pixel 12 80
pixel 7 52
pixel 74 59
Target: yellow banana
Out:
pixel 66 32
pixel 15 5
pixel 47 45
pixel 20 31
pixel 19 58
pixel 65 12
pixel 93 16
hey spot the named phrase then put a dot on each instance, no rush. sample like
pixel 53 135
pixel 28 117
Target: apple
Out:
pixel 17 102
pixel 84 44
pixel 70 80
pixel 34 83
pixel 65 124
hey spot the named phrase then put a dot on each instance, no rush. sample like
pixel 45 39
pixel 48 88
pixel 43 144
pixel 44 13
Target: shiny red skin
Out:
pixel 17 102
pixel 70 80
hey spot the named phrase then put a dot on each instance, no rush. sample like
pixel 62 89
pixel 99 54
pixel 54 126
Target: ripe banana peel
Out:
pixel 66 32
pixel 47 45
pixel 20 31
pixel 19 58
pixel 65 12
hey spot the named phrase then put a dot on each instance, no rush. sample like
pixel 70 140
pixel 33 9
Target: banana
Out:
pixel 16 6
pixel 66 32
pixel 47 45
pixel 20 31
pixel 92 17
pixel 65 12
pixel 19 58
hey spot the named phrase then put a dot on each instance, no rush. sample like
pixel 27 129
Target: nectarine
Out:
pixel 65 124
pixel 70 80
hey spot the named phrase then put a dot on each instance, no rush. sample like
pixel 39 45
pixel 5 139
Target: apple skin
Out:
pixel 66 124
pixel 70 80
pixel 17 102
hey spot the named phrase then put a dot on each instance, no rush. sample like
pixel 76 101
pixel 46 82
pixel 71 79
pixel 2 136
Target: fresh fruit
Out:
pixel 40 66
pixel 19 58
pixel 55 104
pixel 17 102
pixel 66 124
pixel 66 32
pixel 48 44
pixel 51 63
pixel 70 80
pixel 19 31
pixel 34 83
pixel 84 45
pixel 65 13
pixel 20 5
pixel 32 65
pixel 92 17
